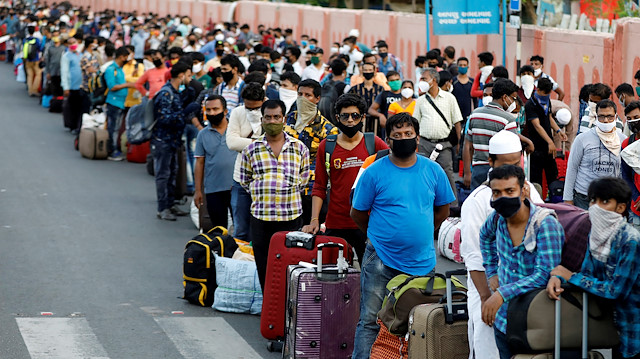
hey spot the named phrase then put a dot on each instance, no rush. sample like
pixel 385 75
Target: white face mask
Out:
pixel 406 92
pixel 527 82
pixel 288 96
pixel 424 86
pixel 606 127
pixel 268 79
pixel 334 50
pixel 537 72
pixel 592 107
pixel 148 64
pixel 450 90
pixel 486 100
pixel 512 106
pixel 604 225
pixel 345 49
pixel 197 68
pixel 130 57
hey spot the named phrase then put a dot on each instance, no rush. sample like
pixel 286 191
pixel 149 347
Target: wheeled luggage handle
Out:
pixel 585 327
pixel 449 314
pixel 450 273
pixel 341 260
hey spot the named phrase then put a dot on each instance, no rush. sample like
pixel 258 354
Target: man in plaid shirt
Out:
pixel 520 244
pixel 275 170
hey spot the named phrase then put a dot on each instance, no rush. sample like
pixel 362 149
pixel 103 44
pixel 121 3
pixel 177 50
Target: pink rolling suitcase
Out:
pixel 323 309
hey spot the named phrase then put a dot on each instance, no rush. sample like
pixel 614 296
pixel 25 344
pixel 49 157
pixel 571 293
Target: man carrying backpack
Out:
pixel 340 159
pixel 31 56
pixel 308 125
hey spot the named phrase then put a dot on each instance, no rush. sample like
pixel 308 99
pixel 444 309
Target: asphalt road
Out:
pixel 86 268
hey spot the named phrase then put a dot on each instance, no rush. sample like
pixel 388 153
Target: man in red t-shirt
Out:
pixel 344 163
pixel 632 112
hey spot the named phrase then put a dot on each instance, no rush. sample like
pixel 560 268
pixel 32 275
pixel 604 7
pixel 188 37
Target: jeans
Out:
pixel 479 175
pixel 260 235
pixel 580 200
pixel 501 343
pixel 373 288
pixel 165 165
pixel 240 209
pixel 191 132
pixel 218 204
pixel 114 117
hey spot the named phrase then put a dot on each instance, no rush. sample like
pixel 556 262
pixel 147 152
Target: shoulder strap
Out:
pixel 329 146
pixel 370 142
pixel 240 88
pixel 381 153
pixel 437 109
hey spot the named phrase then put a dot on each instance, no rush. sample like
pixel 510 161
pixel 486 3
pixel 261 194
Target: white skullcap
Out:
pixel 231 40
pixel 563 116
pixel 354 32
pixel 357 56
pixel 504 142
pixel 219 37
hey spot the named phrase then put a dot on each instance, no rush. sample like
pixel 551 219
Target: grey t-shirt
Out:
pixel 589 159
pixel 218 160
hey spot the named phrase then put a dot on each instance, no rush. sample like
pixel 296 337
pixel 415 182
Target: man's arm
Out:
pixel 541 131
pixel 440 213
pixel 560 93
pixel 467 156
pixel 65 82
pixel 373 111
pixel 140 83
pixel 361 218
pixel 198 175
pixel 575 157
pixel 246 170
pixel 305 168
pixel 473 217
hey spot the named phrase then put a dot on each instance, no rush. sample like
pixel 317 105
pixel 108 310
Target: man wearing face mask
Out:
pixel 309 126
pixel 625 95
pixel 537 61
pixel 214 62
pixel 167 137
pixel 315 69
pixel 520 243
pixel 594 154
pixel 539 126
pixel 439 115
pixel 368 90
pixel 597 93
pixel 350 149
pixel 484 123
pixel 71 82
pixel 275 170
pixel 288 90
pixel 214 163
pixel 138 41
pixel 244 127
pixel 199 74
pixel 462 84
pixel 504 148
pixel 154 77
pixel 610 269
pixel 118 87
pixel 232 86
pixel 388 62
pixel 527 83
pixel 631 161
pixel 292 54
pixel 381 198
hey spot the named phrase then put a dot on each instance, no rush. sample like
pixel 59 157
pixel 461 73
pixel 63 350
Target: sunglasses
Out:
pixel 345 116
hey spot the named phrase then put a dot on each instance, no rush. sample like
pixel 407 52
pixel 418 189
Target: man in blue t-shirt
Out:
pixel 117 85
pixel 398 201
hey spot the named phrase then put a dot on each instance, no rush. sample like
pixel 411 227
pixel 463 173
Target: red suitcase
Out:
pixel 289 248
pixel 138 153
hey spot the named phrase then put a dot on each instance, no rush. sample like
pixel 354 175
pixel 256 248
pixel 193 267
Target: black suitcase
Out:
pixel 56 105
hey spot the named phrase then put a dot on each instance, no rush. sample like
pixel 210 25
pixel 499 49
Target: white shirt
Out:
pixel 432 126
pixel 297 68
pixel 312 72
pixel 240 134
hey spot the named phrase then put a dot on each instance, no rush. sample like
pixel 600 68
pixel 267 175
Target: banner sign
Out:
pixel 460 17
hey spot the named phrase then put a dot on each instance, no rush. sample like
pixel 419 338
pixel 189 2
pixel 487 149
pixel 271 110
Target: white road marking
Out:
pixel 211 337
pixel 60 338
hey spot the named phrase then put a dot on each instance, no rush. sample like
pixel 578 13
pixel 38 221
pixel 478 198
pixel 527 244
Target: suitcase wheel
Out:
pixel 275 346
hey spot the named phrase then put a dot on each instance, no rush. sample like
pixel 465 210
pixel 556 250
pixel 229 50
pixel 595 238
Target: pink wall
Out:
pixel 573 58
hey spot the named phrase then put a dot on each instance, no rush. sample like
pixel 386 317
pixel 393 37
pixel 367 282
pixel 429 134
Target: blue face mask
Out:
pixel 463 70
pixel 181 88
pixel 312 47
pixel 304 43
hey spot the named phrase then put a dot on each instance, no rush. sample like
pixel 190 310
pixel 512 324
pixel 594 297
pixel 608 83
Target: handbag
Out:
pixel 405 292
pixel 453 136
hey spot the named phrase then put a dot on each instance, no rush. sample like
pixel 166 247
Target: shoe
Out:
pixel 167 215
pixel 74 132
pixel 178 212
pixel 116 156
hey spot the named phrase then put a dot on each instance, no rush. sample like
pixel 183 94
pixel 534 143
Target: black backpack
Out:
pixel 328 99
pixel 32 50
pixel 199 269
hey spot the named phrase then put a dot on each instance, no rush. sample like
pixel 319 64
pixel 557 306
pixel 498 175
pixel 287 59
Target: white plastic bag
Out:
pixel 94 119
pixel 238 287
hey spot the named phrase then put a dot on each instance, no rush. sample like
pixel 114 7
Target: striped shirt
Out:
pixel 230 94
pixel 618 279
pixel 484 122
pixel 275 184
pixel 520 270
pixel 432 126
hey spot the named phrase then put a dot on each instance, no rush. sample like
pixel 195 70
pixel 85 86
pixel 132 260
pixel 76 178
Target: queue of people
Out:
pixel 277 131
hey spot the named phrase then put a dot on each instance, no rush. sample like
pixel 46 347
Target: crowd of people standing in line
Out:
pixel 276 135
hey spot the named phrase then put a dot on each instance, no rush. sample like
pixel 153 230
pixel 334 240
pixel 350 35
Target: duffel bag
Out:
pixel 449 239
pixel 239 288
pixel 531 321
pixel 405 292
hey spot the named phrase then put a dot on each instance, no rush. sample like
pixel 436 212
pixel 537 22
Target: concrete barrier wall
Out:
pixel 573 58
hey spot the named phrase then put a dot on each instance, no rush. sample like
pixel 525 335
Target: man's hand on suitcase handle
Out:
pixel 490 308
pixel 554 288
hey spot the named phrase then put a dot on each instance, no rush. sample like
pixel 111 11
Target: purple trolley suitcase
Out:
pixel 323 309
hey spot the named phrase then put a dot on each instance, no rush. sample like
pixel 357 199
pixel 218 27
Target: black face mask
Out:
pixel 157 62
pixel 308 62
pixel 367 75
pixel 227 75
pixel 383 54
pixel 216 119
pixel 220 52
pixel 404 148
pixel 192 42
pixel 634 126
pixel 507 207
pixel 349 131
